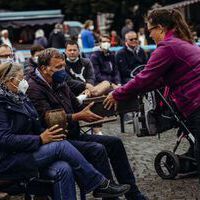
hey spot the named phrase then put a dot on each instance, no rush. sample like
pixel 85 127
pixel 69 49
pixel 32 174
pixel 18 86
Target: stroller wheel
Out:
pixel 167 165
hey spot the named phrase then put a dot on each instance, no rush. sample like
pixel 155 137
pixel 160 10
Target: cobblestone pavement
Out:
pixel 141 153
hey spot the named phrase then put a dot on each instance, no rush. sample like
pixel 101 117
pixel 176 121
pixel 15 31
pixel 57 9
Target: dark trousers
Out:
pixel 93 146
pixel 193 124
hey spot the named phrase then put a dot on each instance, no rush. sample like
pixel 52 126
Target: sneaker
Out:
pixel 111 190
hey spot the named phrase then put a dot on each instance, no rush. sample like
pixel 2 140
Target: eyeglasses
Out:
pixel 7 56
pixel 150 29
pixel 133 39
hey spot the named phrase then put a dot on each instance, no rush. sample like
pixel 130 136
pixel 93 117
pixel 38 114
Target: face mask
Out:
pixel 59 76
pixel 73 61
pixel 23 86
pixel 91 27
pixel 35 59
pixel 6 60
pixel 105 45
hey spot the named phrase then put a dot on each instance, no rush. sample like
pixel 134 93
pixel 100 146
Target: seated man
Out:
pixel 130 56
pixel 81 69
pixel 104 64
pixel 48 91
pixel 6 54
pixel 31 63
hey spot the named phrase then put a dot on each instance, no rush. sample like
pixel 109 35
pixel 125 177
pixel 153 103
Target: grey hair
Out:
pixel 10 71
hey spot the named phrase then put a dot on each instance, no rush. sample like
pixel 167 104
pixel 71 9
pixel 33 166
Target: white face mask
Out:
pixel 6 60
pixel 91 27
pixel 35 59
pixel 73 61
pixel 105 45
pixel 23 86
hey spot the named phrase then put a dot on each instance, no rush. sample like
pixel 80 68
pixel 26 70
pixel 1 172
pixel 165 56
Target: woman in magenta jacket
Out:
pixel 175 64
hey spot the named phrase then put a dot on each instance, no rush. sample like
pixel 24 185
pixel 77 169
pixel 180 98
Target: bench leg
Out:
pixel 122 123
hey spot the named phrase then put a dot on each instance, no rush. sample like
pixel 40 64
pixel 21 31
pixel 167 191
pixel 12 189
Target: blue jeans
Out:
pixel 61 161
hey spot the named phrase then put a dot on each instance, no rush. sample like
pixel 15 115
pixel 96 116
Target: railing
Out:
pixel 148 48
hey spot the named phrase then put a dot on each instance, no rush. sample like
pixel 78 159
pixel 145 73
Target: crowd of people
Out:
pixel 51 80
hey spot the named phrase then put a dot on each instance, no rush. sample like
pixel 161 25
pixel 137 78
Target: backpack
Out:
pixel 151 118
pixel 144 121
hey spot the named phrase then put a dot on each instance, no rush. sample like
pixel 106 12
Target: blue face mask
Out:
pixel 60 76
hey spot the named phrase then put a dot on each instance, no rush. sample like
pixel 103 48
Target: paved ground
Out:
pixel 141 152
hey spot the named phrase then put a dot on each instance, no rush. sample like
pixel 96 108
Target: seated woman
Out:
pixel 23 151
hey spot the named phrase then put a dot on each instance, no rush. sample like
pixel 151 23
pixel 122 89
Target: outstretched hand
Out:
pixel 110 102
pixel 87 115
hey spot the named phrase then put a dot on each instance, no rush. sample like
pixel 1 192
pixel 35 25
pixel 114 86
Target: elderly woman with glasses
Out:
pixel 26 149
pixel 175 64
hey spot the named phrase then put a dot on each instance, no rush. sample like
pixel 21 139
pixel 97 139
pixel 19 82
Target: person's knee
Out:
pixel 99 150
pixel 115 141
pixel 62 170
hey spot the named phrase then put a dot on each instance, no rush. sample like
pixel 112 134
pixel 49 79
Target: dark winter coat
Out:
pixel 19 129
pixel 127 60
pixel 47 98
pixel 105 67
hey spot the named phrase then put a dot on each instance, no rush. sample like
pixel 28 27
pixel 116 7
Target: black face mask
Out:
pixel 60 76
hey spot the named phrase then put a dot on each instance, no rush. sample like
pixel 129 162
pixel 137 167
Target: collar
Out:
pixel 39 75
pixel 169 34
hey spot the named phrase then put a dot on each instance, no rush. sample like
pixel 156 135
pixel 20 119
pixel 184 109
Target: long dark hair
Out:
pixel 171 19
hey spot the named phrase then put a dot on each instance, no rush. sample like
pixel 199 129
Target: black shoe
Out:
pixel 111 190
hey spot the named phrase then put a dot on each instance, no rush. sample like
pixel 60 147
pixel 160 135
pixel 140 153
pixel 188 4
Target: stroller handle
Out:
pixel 136 70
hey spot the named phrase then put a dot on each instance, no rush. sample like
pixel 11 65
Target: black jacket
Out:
pixel 19 135
pixel 127 60
pixel 81 70
pixel 59 96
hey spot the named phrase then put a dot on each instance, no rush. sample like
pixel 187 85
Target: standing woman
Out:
pixel 175 64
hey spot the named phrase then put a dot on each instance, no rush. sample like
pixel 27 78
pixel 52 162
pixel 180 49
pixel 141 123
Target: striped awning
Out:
pixel 31 18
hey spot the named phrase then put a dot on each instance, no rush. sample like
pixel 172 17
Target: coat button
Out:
pixel 9 107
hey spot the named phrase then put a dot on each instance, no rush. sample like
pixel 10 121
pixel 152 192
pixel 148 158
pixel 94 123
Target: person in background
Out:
pixel 31 64
pixel 27 149
pixel 175 64
pixel 104 64
pixel 87 36
pixel 6 54
pixel 129 57
pixel 114 39
pixel 129 26
pixel 81 69
pixel 57 37
pixel 142 37
pixel 40 38
pixel 5 38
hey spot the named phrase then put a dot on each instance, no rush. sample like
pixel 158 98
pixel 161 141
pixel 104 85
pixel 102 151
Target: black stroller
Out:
pixel 168 164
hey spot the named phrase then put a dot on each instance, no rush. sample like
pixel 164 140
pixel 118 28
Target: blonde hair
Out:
pixel 9 70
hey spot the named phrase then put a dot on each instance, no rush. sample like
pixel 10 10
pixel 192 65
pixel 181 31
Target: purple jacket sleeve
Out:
pixel 148 79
